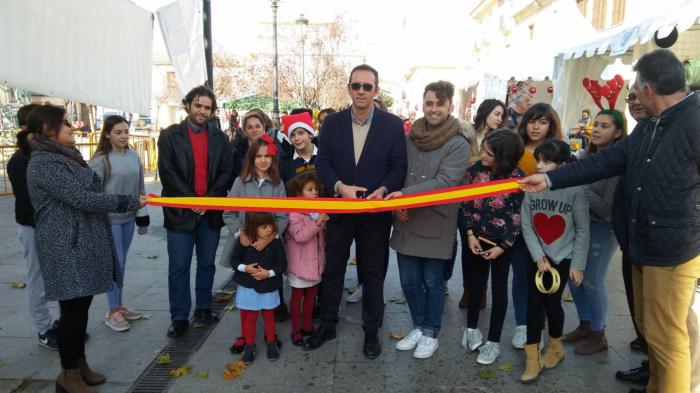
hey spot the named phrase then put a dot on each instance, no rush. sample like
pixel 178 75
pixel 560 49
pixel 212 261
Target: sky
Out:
pixel 388 34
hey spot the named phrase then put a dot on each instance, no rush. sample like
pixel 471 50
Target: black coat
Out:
pixel 176 171
pixel 272 257
pixel 661 164
pixel 17 172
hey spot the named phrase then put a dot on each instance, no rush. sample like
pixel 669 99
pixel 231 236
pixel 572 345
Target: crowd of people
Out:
pixel 638 192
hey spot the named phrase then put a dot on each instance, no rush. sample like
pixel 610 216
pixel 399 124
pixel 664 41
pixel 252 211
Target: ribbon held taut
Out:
pixel 341 205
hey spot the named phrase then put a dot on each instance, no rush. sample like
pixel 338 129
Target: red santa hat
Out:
pixel 300 120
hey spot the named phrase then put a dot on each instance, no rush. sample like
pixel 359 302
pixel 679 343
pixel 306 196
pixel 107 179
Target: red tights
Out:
pixel 249 320
pixel 309 296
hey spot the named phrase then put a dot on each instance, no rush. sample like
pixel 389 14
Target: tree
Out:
pixel 166 95
pixel 386 99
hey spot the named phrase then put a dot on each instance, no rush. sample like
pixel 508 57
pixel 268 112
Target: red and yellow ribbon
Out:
pixel 342 205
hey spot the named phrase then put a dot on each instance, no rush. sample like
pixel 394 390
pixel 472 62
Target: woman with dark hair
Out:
pixel 253 126
pixel 321 118
pixel 121 172
pixel 591 298
pixel 490 115
pixel 75 248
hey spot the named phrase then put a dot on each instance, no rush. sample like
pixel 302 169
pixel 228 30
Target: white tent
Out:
pixel 615 51
pixel 96 52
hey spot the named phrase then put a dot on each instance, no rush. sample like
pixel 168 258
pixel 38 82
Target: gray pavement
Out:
pixel 336 367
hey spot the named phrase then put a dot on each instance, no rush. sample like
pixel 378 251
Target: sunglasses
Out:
pixel 630 98
pixel 365 86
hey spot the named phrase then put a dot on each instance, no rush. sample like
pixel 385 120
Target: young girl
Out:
pixel 492 225
pixel 121 172
pixel 259 177
pixel 258 273
pixel 305 243
pixel 555 228
pixel 591 298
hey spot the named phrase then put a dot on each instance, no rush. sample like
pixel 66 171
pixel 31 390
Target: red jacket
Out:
pixel 305 242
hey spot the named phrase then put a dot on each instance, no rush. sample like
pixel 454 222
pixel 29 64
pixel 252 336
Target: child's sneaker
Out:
pixel 238 346
pixel 273 351
pixel 116 322
pixel 409 342
pixel 472 339
pixel 488 353
pixel 248 354
pixel 520 337
pixel 129 314
pixel 356 296
pixel 48 339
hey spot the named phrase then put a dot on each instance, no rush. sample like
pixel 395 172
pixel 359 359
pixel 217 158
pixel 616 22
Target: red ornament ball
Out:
pixel 550 89
pixel 533 90
pixel 514 89
pixel 473 100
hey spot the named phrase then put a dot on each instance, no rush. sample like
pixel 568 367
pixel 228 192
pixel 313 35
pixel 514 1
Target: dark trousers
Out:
pixel 478 280
pixel 371 234
pixel 539 304
pixel 466 252
pixel 71 330
pixel 627 278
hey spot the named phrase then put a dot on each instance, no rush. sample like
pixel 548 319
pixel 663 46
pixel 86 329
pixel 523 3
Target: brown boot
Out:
pixel 482 303
pixel 90 377
pixel 70 381
pixel 553 353
pixel 464 301
pixel 533 363
pixel 596 342
pixel 580 333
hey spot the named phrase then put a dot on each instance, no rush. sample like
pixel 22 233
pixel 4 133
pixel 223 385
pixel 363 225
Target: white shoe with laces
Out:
pixel 426 347
pixel 472 339
pixel 488 353
pixel 520 337
pixel 116 322
pixel 409 342
pixel 356 296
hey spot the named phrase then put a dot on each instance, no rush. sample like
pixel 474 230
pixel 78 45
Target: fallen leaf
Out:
pixel 152 257
pixel 398 335
pixel 230 291
pixel 146 316
pixel 505 367
pixel 230 308
pixel 180 371
pixel 567 297
pixel 2 364
pixel 201 375
pixel 398 300
pixel 486 374
pixel 18 285
pixel 233 370
pixel 197 325
pixel 223 297
pixel 352 261
pixel 351 289
pixel 163 359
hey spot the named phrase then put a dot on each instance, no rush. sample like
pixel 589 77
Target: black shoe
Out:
pixel 319 337
pixel 205 316
pixel 643 389
pixel 640 345
pixel 248 354
pixel 273 351
pixel 281 313
pixel 372 348
pixel 304 333
pixel 48 339
pixel 636 375
pixel 238 346
pixel 177 328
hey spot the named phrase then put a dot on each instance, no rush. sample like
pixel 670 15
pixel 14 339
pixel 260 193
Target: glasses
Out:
pixel 630 98
pixel 365 86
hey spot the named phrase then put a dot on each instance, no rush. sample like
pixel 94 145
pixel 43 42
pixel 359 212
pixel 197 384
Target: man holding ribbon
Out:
pixel 194 159
pixel 362 155
pixel 661 164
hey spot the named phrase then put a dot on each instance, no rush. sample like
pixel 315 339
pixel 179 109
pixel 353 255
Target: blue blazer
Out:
pixel 383 159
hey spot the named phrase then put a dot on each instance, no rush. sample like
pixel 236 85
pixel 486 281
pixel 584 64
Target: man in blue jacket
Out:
pixel 661 164
pixel 362 155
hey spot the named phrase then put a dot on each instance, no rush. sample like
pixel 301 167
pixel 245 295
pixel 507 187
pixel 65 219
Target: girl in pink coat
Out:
pixel 305 243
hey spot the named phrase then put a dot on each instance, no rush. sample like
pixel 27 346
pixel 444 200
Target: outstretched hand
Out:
pixel 533 183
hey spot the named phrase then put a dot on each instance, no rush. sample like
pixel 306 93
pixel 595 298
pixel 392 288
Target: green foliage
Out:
pixel 262 102
pixel 386 99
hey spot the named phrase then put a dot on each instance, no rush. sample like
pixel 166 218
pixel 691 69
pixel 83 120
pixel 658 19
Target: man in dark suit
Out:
pixel 194 159
pixel 362 155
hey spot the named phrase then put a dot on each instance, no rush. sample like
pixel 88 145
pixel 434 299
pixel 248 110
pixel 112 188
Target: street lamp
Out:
pixel 275 81
pixel 303 25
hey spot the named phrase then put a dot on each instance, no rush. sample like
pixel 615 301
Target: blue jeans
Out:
pixel 521 258
pixel 122 235
pixel 180 247
pixel 591 297
pixel 423 284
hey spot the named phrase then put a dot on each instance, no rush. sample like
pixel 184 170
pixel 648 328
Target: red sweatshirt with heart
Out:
pixel 556 224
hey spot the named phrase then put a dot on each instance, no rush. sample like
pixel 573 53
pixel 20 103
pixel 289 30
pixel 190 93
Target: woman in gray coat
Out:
pixel 438 154
pixel 73 239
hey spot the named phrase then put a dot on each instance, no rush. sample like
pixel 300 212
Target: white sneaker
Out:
pixel 520 337
pixel 409 342
pixel 426 347
pixel 488 353
pixel 472 339
pixel 356 296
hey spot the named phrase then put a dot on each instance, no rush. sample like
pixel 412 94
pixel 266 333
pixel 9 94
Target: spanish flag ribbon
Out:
pixel 342 205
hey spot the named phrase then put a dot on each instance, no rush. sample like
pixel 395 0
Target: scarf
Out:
pixel 42 143
pixel 428 138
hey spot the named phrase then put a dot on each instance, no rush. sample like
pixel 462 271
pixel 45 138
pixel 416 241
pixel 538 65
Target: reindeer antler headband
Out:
pixel 610 90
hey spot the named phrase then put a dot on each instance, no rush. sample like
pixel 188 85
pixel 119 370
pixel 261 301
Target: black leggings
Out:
pixel 478 277
pixel 538 303
pixel 71 330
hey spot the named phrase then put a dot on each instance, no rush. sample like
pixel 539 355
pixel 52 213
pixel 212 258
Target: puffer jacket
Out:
pixel 661 186
pixel 306 245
